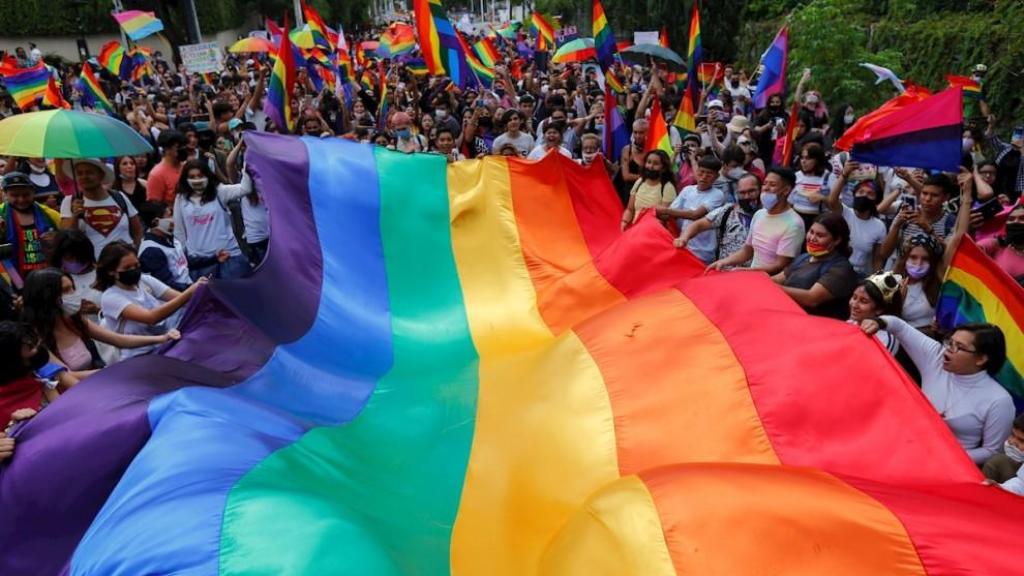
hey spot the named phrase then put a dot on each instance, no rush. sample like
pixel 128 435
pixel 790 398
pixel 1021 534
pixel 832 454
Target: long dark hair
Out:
pixel 14 335
pixel 666 165
pixel 72 244
pixel 814 151
pixel 839 229
pixel 932 282
pixel 110 258
pixel 210 193
pixel 41 307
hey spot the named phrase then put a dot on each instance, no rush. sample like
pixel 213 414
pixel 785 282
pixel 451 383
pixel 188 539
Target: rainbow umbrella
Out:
pixel 253 44
pixel 69 134
pixel 579 50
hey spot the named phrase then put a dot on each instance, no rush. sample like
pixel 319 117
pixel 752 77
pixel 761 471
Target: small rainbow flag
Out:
pixel 53 97
pixel 26 85
pixel 657 132
pixel 113 58
pixel 92 92
pixel 486 51
pixel 543 29
pixel 971 88
pixel 278 105
pixel 138 24
pixel 686 116
pixel 977 290
pixel 317 28
pixel 604 44
pixel 417 66
pixel 141 67
pixel 398 39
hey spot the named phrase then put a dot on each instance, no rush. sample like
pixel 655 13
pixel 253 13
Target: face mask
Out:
pixel 816 250
pixel 863 204
pixel 72 267
pixel 182 154
pixel 71 303
pixel 197 184
pixel 916 271
pixel 652 174
pixel 849 118
pixel 37 169
pixel 769 200
pixel 1012 452
pixel 812 100
pixel 441 114
pixel 165 225
pixel 589 157
pixel 39 359
pixel 404 133
pixel 748 206
pixel 967 144
pixel 130 277
pixel 1015 233
pixel 484 121
pixel 736 173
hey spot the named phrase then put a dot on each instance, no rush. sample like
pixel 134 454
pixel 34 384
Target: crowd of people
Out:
pixel 102 274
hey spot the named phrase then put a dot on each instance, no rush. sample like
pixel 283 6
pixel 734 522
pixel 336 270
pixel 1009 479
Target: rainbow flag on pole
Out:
pixel 486 52
pixel 26 85
pixel 138 24
pixel 543 30
pixel 398 39
pixel 443 51
pixel 487 417
pixel 977 290
pixel 92 92
pixel 604 44
pixel 317 28
pixel 282 82
pixel 113 58
pixel 657 132
pixel 686 115
pixel 972 89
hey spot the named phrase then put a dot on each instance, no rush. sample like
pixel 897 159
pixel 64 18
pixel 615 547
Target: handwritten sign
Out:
pixel 201 58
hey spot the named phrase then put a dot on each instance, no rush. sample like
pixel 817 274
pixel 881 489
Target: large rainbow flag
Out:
pixel 977 290
pixel 504 384
pixel 26 85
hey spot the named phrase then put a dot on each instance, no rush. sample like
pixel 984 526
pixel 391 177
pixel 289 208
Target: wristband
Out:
pixel 50 371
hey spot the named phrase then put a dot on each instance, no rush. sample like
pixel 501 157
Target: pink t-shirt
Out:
pixel 1007 258
pixel 163 180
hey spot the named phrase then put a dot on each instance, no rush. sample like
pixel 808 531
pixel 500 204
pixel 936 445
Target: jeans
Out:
pixel 233 267
pixel 257 252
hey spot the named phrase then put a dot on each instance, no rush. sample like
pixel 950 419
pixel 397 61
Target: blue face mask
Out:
pixel 769 200
pixel 404 133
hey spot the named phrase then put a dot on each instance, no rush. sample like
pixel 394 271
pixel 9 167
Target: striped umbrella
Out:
pixel 69 134
pixel 252 44
pixel 578 50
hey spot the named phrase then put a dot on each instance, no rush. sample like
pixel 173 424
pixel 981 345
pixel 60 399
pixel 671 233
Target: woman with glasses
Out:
pixel 957 377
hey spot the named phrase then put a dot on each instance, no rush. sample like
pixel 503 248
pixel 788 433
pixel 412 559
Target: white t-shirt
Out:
pixel 864 236
pixel 691 198
pixel 917 310
pixel 147 295
pixel 773 236
pixel 809 184
pixel 540 151
pixel 103 222
pixel 256 220
pixel 523 143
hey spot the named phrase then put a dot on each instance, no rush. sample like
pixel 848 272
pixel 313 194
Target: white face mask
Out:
pixel 71 303
pixel 441 114
pixel 1012 452
pixel 849 118
pixel 38 169
pixel 165 225
pixel 589 157
pixel 198 184
pixel 736 173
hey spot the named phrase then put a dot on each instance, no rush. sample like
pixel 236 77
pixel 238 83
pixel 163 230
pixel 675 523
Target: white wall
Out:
pixel 66 45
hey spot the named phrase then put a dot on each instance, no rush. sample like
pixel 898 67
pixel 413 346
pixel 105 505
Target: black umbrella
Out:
pixel 642 53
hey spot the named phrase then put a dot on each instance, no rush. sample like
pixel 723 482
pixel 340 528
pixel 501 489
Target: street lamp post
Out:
pixel 83 46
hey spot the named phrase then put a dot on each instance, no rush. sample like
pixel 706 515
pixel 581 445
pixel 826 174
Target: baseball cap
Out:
pixel 16 179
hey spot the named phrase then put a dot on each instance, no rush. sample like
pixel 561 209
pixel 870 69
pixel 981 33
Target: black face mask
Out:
pixel 484 122
pixel 1015 233
pixel 863 204
pixel 652 174
pixel 182 154
pixel 130 277
pixel 39 359
pixel 748 206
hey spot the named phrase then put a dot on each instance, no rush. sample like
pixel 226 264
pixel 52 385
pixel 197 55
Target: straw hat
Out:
pixel 108 172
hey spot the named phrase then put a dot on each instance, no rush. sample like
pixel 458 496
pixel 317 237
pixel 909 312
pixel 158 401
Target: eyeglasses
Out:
pixel 954 346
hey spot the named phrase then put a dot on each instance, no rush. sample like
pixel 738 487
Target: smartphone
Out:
pixel 988 210
pixel 1018 133
pixel 909 202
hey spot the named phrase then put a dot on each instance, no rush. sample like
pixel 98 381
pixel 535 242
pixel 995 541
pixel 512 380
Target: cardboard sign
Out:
pixel 201 58
pixel 645 37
